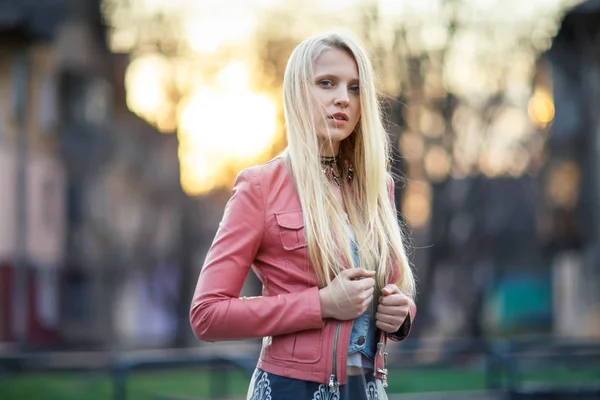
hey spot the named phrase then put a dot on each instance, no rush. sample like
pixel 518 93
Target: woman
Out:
pixel 319 228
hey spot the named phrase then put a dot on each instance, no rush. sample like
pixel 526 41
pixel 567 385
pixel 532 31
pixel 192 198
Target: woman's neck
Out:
pixel 329 149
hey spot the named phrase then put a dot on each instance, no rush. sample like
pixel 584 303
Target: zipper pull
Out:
pixel 334 386
pixel 383 370
pixel 385 373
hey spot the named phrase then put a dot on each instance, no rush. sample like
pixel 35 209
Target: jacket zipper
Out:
pixel 334 385
pixel 381 373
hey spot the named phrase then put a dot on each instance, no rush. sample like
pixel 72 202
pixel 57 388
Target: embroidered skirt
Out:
pixel 266 386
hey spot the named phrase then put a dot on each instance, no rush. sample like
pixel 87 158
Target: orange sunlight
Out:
pixel 144 79
pixel 541 108
pixel 222 126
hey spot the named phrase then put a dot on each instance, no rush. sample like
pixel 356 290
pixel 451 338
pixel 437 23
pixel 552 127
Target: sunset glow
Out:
pixel 223 126
pixel 224 123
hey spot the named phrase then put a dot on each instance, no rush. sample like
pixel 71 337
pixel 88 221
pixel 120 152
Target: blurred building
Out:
pixel 570 214
pixel 32 173
pixel 91 201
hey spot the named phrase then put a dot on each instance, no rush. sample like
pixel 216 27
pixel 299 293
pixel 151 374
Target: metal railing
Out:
pixel 511 362
pixel 220 368
pixel 506 366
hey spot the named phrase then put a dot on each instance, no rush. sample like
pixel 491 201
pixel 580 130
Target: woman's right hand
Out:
pixel 349 295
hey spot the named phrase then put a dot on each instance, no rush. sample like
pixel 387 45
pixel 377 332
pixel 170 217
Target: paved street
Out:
pixel 449 396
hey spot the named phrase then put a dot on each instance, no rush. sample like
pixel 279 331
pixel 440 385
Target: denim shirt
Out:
pixel 363 338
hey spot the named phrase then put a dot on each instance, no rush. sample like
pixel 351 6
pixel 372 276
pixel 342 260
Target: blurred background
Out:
pixel 123 124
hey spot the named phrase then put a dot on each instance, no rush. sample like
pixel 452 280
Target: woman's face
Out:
pixel 335 94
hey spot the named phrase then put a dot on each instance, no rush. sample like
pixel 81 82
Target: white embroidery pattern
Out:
pixel 372 393
pixel 323 393
pixel 260 389
pixel 260 386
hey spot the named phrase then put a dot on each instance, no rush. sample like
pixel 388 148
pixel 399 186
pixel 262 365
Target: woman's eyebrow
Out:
pixel 327 76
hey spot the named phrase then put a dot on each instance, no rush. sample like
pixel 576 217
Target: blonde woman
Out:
pixel 319 228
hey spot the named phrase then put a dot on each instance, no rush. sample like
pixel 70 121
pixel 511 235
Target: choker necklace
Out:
pixel 331 170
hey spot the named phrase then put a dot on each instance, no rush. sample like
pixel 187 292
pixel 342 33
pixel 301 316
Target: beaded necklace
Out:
pixel 331 170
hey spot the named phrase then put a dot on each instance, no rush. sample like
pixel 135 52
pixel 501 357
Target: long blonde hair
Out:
pixel 368 205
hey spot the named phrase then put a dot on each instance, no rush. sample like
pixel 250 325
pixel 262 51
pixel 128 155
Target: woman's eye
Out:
pixel 355 89
pixel 326 83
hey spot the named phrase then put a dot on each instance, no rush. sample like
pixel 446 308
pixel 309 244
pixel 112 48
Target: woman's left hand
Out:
pixel 392 309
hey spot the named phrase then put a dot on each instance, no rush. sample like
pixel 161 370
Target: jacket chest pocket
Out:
pixel 291 229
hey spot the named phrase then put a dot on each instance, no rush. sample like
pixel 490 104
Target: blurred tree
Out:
pixel 457 84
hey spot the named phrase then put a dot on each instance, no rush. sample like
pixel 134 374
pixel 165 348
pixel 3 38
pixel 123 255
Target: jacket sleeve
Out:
pixel 217 312
pixel 406 326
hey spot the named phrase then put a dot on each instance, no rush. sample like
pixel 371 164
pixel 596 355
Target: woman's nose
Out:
pixel 341 98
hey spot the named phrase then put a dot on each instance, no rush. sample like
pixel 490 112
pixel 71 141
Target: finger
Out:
pixel 389 319
pixel 388 328
pixel 367 302
pixel 362 284
pixel 356 273
pixel 365 297
pixel 367 283
pixel 396 299
pixel 390 289
pixel 401 312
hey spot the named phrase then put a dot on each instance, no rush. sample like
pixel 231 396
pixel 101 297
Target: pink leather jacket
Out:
pixel 262 228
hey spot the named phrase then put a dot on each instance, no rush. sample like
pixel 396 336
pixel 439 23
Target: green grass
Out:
pixel 439 380
pixel 195 384
pixel 140 386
